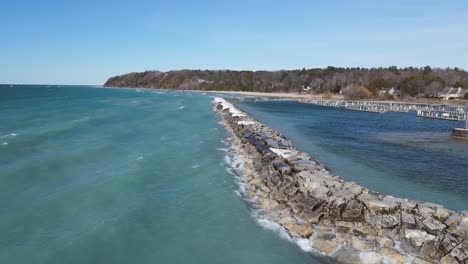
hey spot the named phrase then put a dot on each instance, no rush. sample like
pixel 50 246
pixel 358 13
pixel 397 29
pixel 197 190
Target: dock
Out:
pixel 435 111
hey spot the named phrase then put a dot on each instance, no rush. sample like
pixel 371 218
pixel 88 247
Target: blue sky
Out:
pixel 85 42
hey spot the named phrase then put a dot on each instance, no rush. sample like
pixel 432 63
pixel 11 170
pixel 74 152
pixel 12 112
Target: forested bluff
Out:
pixel 411 81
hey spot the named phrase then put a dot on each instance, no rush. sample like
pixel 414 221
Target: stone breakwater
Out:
pixel 339 219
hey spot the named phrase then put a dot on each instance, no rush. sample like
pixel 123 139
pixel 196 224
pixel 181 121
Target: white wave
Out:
pixel 9 135
pixel 140 158
pixel 271 225
pixel 181 107
pixel 232 109
pixel 5 143
pixel 266 223
pixel 83 119
pixel 304 244
pixel 195 166
pixel 203 94
pixel 222 149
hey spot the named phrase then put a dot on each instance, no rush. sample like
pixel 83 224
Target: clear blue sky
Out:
pixel 85 42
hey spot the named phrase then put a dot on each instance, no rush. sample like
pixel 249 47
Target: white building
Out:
pixel 391 91
pixel 452 93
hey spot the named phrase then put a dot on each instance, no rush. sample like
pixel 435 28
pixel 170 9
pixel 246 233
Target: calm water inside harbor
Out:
pixel 393 153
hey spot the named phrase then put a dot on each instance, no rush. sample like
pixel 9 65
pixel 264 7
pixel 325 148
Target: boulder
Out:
pixel 316 190
pixel 425 211
pixel 408 220
pixel 454 219
pixel 346 256
pixel 282 167
pixel 343 235
pixel 448 243
pixel 310 216
pixel 441 214
pixel 269 204
pixel 461 252
pixel 363 245
pixel 394 256
pixel 353 211
pixel 458 231
pixel 384 242
pixel 463 221
pixel 389 221
pixel 325 242
pixel 433 226
pixel 431 250
pixel 272 143
pixel 300 230
pixel 418 237
pixel 378 206
pixel 291 191
pixel 279 196
pixel 448 260
pixel 348 190
pixel 422 261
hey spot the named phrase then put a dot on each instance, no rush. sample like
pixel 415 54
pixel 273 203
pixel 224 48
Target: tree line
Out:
pixel 411 81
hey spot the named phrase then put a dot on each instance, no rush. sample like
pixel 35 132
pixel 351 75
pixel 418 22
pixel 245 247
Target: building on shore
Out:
pixel 391 91
pixel 452 93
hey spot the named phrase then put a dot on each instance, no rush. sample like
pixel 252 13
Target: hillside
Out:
pixel 420 82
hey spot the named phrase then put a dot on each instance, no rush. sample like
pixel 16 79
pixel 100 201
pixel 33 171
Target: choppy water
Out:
pixel 96 175
pixel 393 153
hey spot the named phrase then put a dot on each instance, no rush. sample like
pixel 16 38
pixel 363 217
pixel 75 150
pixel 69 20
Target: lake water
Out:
pixel 98 175
pixel 393 153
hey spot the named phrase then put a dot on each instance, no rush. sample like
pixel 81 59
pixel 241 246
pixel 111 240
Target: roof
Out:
pixel 454 91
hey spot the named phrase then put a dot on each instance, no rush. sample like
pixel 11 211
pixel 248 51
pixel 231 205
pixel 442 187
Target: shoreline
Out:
pixel 340 219
pixel 304 96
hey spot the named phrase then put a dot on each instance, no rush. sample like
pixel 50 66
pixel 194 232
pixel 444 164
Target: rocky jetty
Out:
pixel 340 219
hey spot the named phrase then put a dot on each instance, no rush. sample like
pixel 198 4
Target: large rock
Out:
pixel 389 221
pixel 302 165
pixel 349 190
pixel 448 243
pixel 461 252
pixel 376 205
pixel 269 204
pixel 394 256
pixel 441 214
pixel 418 237
pixel 454 219
pixel 464 221
pixel 354 211
pixel 408 220
pixel 346 256
pixel 316 190
pixel 433 226
pixel 300 230
pixel 448 260
pixel 310 216
pixel 431 250
pixel 325 242
pixel 363 245
pixel 282 167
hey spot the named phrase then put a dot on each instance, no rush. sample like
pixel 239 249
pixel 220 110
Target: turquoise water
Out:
pixel 393 153
pixel 97 175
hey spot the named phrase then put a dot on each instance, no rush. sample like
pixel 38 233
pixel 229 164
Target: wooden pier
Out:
pixel 446 115
pixel 436 111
